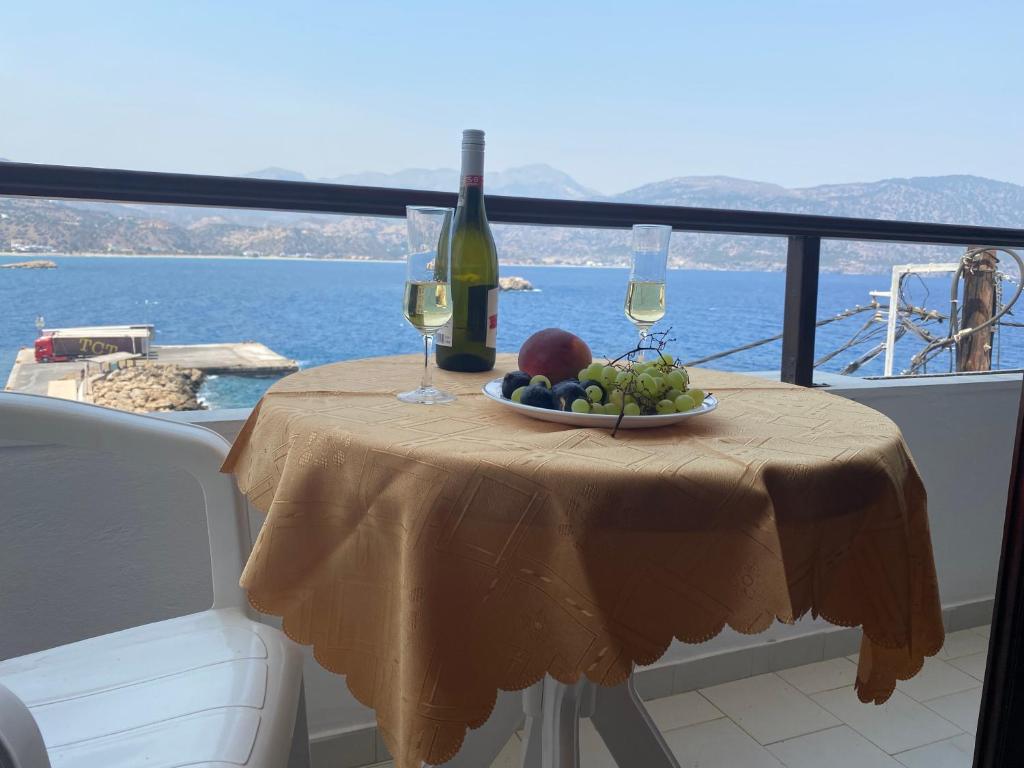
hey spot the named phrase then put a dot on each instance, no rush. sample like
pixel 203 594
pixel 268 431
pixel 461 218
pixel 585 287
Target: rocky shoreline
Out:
pixel 149 388
pixel 35 264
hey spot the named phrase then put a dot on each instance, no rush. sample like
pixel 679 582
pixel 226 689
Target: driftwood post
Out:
pixel 974 353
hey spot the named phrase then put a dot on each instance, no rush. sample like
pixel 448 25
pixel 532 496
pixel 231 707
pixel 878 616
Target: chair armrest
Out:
pixel 21 743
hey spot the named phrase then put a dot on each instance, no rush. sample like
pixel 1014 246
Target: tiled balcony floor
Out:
pixel 810 717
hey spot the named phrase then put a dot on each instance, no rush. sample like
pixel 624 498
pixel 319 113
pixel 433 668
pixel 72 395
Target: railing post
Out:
pixel 800 316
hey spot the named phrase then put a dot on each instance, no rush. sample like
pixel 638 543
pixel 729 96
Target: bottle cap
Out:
pixel 473 137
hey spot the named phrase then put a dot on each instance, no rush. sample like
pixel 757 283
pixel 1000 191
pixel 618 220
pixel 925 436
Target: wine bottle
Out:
pixel 468 341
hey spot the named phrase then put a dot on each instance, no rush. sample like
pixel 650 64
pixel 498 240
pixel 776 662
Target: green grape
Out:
pixel 684 403
pixel 666 359
pixel 582 375
pixel 608 376
pixel 594 393
pixel 648 384
pixel 542 380
pixel 615 396
pixel 580 405
pixel 672 394
pixel 516 394
pixel 665 407
pixel 697 395
pixel 631 409
pixel 593 371
pixel 676 379
pixel 630 399
pixel 624 378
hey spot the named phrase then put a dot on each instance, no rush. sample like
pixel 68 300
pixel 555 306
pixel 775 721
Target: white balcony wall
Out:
pixel 90 545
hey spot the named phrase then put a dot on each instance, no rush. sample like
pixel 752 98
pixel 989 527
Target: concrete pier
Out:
pixel 247 358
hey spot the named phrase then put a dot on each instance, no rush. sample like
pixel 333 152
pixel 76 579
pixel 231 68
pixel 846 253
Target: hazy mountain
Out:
pixel 87 227
pixel 536 180
pixel 276 174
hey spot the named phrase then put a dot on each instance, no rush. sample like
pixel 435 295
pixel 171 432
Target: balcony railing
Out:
pixel 804 232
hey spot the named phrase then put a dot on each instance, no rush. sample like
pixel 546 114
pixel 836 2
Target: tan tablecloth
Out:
pixel 434 554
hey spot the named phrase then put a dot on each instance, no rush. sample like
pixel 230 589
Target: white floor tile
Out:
pixel 593 752
pixel 963 643
pixel 840 747
pixel 821 675
pixel 961 709
pixel 718 744
pixel 769 708
pixel 983 631
pixel 957 752
pixel 936 678
pixel 509 755
pixel 897 725
pixel 973 665
pixel 681 710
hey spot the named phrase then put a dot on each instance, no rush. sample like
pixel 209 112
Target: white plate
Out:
pixel 492 389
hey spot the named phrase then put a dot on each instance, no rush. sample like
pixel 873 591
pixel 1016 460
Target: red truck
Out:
pixel 58 345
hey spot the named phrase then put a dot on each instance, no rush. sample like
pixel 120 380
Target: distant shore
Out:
pixel 213 256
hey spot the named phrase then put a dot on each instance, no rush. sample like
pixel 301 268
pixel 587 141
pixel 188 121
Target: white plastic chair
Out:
pixel 210 689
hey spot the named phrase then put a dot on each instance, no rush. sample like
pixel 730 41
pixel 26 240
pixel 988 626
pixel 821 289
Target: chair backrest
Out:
pixel 21 743
pixel 196 450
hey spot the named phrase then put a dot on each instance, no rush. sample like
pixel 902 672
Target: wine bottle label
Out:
pixel 478 314
pixel 443 337
pixel 492 318
pixel 472 180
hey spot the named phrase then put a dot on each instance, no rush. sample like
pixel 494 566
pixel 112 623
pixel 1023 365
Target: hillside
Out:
pixel 101 227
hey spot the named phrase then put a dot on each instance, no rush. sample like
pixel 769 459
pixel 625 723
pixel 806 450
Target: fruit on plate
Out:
pixel 538 396
pixel 566 392
pixel 554 353
pixel 513 381
pixel 621 387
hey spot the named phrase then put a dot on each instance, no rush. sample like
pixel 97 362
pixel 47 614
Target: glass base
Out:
pixel 426 396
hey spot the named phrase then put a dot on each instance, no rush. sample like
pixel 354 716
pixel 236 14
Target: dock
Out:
pixel 246 358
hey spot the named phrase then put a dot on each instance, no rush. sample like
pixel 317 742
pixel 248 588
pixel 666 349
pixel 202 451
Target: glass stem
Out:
pixel 426 383
pixel 642 330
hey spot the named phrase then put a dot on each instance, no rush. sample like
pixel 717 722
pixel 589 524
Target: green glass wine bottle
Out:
pixel 469 340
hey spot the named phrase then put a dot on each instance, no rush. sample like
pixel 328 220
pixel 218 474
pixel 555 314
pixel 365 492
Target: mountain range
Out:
pixel 74 227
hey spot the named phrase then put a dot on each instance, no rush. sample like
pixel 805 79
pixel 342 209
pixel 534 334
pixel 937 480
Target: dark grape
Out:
pixel 538 396
pixel 567 391
pixel 512 382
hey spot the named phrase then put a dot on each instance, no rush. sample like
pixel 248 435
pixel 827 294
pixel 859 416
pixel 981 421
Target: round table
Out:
pixel 436 554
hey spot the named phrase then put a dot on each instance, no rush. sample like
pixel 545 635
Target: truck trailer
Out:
pixel 58 345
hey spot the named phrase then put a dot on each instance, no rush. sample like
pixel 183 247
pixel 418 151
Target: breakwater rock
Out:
pixel 37 264
pixel 148 388
pixel 515 284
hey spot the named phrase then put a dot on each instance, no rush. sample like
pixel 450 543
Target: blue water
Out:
pixel 317 311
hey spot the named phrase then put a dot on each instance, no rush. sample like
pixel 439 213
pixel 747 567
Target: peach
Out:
pixel 554 353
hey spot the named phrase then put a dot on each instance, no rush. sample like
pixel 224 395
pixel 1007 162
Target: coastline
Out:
pixel 233 257
pixel 513 264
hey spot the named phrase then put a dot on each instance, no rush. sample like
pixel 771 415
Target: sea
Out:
pixel 317 311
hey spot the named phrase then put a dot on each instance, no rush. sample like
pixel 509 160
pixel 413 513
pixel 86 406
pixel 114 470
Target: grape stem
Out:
pixel 653 342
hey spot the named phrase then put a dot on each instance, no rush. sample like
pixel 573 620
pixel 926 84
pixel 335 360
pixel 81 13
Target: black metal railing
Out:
pixel 805 232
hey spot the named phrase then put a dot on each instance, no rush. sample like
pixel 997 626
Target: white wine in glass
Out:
pixel 645 301
pixel 645 295
pixel 427 303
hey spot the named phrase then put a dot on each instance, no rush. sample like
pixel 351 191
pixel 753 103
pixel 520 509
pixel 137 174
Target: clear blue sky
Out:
pixel 615 93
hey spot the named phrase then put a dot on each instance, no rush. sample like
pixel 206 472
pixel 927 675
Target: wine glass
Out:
pixel 428 299
pixel 645 296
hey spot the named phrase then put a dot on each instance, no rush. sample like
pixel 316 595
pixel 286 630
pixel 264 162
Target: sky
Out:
pixel 617 94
